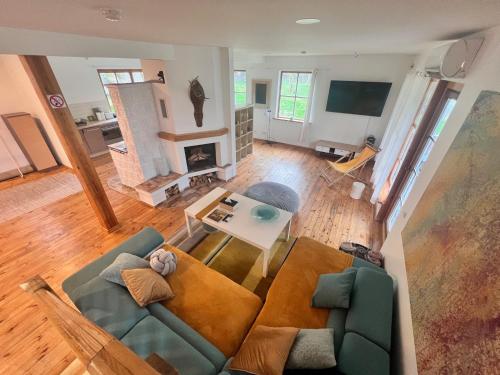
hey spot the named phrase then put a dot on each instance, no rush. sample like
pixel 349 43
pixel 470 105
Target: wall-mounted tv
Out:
pixel 358 98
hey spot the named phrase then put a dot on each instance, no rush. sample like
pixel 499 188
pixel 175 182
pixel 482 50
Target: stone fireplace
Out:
pixel 200 157
pixel 165 152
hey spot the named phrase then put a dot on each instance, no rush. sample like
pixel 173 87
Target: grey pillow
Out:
pixel 334 289
pixel 312 349
pixel 124 261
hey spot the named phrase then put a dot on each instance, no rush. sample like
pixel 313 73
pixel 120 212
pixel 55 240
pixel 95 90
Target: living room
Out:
pixel 316 196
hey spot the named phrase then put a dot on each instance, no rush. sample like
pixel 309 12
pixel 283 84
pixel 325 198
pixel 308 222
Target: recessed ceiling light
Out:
pixel 113 15
pixel 307 21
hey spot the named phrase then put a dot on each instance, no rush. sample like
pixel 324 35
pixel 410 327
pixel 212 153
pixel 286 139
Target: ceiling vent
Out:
pixel 453 60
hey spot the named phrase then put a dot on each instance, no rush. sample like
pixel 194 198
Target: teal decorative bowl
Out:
pixel 265 213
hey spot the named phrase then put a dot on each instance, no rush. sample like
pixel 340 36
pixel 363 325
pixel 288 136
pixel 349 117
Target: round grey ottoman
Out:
pixel 274 194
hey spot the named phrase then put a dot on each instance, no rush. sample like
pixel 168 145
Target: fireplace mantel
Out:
pixel 190 136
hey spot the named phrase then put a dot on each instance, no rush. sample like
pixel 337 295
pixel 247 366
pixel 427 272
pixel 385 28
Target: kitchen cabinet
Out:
pixel 94 141
pixel 97 135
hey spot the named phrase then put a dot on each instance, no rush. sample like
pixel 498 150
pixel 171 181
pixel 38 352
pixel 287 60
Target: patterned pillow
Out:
pixel 146 286
pixel 312 349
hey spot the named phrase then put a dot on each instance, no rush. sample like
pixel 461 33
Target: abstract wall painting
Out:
pixel 452 252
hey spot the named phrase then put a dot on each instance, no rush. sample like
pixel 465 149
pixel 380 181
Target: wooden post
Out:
pixel 44 81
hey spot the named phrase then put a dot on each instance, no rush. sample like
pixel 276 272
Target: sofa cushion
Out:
pixel 265 350
pixel 334 289
pixel 122 262
pixel 151 336
pixel 370 313
pixel 146 286
pixel 360 356
pixel 108 305
pixel 288 302
pixel 336 320
pixel 358 263
pixel 140 244
pixel 189 334
pixel 216 307
pixel 312 349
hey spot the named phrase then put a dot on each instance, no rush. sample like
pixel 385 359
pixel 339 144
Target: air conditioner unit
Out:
pixel 453 60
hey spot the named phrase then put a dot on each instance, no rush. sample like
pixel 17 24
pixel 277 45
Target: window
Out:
pixel 422 155
pixel 424 106
pixel 294 93
pixel 117 76
pixel 240 88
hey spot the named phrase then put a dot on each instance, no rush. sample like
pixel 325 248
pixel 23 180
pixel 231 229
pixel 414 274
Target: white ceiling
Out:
pixel 267 26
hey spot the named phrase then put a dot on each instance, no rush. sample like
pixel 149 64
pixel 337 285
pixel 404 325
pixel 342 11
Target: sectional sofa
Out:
pixel 203 326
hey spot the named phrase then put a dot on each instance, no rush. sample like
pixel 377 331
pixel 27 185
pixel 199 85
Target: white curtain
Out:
pixel 405 109
pixel 308 116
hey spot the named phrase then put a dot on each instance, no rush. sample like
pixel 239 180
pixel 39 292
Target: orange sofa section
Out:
pixel 288 302
pixel 216 307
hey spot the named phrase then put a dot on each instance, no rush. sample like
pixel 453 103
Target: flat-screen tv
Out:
pixel 358 98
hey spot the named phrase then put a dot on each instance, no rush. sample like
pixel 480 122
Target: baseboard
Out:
pixel 15 173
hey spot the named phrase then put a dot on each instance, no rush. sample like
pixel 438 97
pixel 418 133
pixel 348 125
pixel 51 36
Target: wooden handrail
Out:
pixel 98 351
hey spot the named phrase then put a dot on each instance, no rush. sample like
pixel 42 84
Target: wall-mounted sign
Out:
pixel 56 101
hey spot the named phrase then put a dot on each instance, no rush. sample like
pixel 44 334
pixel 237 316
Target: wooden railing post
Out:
pixel 98 351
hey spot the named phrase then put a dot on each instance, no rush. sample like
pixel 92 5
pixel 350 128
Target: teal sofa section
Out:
pixel 152 336
pixel 153 329
pixel 362 333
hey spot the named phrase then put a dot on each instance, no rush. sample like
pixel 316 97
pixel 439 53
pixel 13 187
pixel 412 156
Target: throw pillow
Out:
pixel 163 262
pixel 124 261
pixel 334 289
pixel 146 286
pixel 312 349
pixel 265 350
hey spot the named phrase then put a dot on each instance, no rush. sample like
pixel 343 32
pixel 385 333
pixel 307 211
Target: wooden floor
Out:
pixel 57 240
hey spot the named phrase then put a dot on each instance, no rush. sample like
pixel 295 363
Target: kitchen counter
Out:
pixel 94 124
pixel 120 147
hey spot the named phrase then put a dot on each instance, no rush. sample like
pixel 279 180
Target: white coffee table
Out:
pixel 242 225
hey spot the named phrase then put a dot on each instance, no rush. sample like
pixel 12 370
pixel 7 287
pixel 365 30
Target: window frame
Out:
pixel 278 117
pixel 412 164
pixel 240 92
pixel 121 70
pixel 413 132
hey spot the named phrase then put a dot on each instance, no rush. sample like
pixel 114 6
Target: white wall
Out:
pixel 338 127
pixel 213 67
pixel 80 83
pixel 191 62
pixel 18 95
pixel 482 76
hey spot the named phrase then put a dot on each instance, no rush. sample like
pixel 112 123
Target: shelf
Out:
pixel 203 171
pixel 244 129
pixel 244 135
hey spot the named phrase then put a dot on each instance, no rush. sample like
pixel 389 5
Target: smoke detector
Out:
pixel 113 15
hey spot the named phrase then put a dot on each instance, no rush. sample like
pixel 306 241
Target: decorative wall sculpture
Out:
pixel 452 252
pixel 197 96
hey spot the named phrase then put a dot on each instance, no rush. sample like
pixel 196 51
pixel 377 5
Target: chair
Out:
pixel 348 167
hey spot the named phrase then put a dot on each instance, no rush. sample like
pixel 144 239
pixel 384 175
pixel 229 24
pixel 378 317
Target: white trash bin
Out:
pixel 357 190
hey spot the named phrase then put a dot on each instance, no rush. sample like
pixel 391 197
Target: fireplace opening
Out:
pixel 200 157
